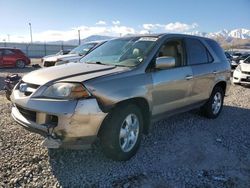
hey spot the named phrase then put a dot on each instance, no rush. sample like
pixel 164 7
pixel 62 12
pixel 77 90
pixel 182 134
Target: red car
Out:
pixel 11 57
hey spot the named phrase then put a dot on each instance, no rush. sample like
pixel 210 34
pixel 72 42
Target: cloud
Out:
pixel 117 22
pixel 122 30
pixel 180 27
pixel 170 27
pixel 114 29
pixel 152 26
pixel 101 22
pixel 144 32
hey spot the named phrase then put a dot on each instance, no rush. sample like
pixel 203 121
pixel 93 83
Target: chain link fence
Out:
pixel 36 50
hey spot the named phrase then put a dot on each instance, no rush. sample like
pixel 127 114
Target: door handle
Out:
pixel 189 77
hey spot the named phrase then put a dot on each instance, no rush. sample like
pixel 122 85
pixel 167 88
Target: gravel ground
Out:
pixel 185 150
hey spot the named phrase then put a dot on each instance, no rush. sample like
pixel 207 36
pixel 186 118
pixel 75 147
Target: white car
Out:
pixel 73 56
pixel 241 74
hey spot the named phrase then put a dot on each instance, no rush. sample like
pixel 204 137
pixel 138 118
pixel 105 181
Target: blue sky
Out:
pixel 56 19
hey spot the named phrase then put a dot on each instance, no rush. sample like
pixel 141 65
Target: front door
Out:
pixel 172 87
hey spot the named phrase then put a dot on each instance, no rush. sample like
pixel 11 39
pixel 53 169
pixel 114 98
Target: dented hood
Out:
pixel 75 72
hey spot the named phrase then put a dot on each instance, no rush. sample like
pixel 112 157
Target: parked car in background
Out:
pixel 61 52
pixel 242 57
pixel 236 54
pixel 230 60
pixel 246 60
pixel 120 88
pixel 229 56
pixel 73 56
pixel 12 57
pixel 241 74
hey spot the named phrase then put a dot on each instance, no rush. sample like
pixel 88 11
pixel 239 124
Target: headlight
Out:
pixel 66 91
pixel 238 68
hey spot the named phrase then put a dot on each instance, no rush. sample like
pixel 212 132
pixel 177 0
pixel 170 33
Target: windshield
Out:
pixel 247 60
pixel 82 49
pixel 122 51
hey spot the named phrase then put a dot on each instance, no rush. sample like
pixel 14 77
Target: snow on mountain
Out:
pixel 240 33
pixel 228 35
pixel 236 33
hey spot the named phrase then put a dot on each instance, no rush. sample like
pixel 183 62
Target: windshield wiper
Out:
pixel 97 62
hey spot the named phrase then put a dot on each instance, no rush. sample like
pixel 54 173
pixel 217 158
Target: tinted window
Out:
pixel 227 55
pixel 217 49
pixel 197 53
pixel 7 52
pixel 247 60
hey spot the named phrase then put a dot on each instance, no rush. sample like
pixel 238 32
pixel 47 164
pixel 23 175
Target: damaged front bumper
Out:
pixel 68 124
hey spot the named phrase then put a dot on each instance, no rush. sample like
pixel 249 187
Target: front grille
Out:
pixel 244 72
pixel 245 80
pixel 28 114
pixel 49 63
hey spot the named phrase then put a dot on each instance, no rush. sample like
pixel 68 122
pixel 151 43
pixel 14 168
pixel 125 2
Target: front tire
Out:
pixel 121 135
pixel 214 105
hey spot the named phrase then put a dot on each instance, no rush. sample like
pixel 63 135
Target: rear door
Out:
pixel 171 87
pixel 200 61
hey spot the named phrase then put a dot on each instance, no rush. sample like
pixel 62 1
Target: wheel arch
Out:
pixel 143 105
pixel 222 84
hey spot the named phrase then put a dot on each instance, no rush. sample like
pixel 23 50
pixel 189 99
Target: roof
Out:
pixel 8 48
pixel 165 34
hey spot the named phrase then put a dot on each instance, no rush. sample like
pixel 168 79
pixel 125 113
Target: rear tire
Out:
pixel 20 64
pixel 121 134
pixel 214 105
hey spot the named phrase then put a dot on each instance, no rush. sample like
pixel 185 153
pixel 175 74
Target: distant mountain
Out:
pixel 96 38
pixel 88 39
pixel 228 34
pixel 227 38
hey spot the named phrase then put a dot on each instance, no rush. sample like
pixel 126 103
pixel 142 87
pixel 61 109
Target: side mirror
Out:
pixel 165 62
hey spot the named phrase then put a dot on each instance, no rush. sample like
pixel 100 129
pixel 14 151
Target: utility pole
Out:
pixel 79 36
pixel 4 40
pixel 31 41
pixel 8 37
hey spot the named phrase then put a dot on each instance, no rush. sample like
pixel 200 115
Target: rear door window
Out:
pixel 197 53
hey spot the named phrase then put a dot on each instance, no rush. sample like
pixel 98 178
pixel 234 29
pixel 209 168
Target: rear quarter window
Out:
pixel 197 52
pixel 217 49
